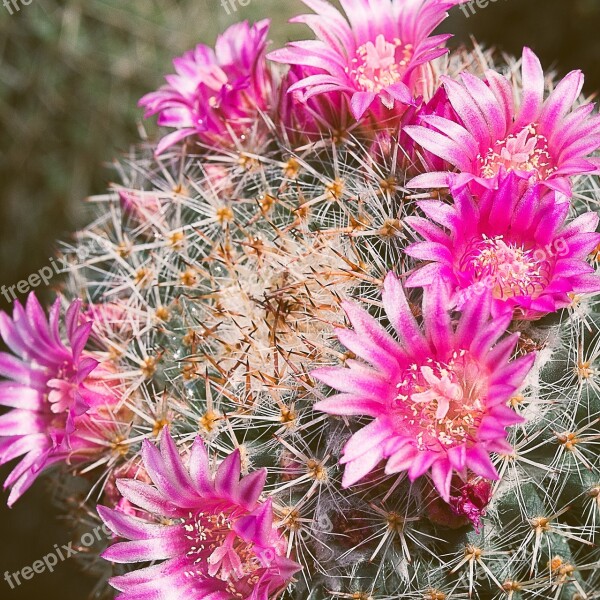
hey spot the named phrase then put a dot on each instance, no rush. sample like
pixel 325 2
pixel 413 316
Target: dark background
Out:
pixel 71 72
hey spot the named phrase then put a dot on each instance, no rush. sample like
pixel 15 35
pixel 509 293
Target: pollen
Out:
pixel 191 338
pixel 267 202
pixel 595 254
pixel 516 401
pixel 594 492
pixel 176 240
pixel 390 228
pixel 291 168
pixel 379 65
pixel 395 522
pixel 291 519
pixel 512 586
pixel 143 277
pixel 440 402
pixel 288 416
pixel 162 313
pixel 435 595
pixel 540 523
pixel 190 371
pixel 527 151
pixel 188 278
pixel 473 552
pixel 180 190
pixel 119 446
pixel 247 162
pixel 124 249
pixel 568 440
pixel 388 185
pixel 506 268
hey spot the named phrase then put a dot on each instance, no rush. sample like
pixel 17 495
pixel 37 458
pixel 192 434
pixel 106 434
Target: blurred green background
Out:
pixel 71 72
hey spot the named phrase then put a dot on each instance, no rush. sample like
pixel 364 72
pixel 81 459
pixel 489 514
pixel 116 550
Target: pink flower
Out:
pixel 471 500
pixel 389 146
pixel 112 496
pixel 375 57
pixel 108 318
pixel 215 536
pixel 513 241
pixel 51 391
pixel 215 94
pixel 541 141
pixel 311 119
pixel 437 394
pixel 142 206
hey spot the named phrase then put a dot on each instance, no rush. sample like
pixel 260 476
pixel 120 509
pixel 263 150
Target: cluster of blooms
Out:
pixel 227 270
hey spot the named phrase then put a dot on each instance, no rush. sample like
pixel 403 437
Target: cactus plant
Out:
pixel 336 334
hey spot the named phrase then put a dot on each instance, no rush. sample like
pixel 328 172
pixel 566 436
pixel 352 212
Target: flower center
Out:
pixel 508 270
pixel 379 65
pixel 441 402
pixel 527 151
pixel 216 551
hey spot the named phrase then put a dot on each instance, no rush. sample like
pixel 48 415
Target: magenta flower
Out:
pixel 541 141
pixel 389 145
pixel 311 119
pixel 513 241
pixel 438 394
pixel 215 536
pixel 142 206
pixel 49 392
pixel 376 56
pixel 471 500
pixel 215 94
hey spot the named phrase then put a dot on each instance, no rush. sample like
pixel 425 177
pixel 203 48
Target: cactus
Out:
pixel 238 275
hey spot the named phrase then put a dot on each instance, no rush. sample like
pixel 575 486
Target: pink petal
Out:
pixel 145 496
pixel 350 404
pixel 145 550
pixel 357 469
pixel 360 103
pixel 401 317
pixel 533 90
pixel 479 462
pixel 251 487
pixel 364 440
pixel 133 528
pixel 441 474
pixel 200 469
pixel 227 476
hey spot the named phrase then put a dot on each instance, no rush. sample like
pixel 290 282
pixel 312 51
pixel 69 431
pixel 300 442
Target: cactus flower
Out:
pixel 545 141
pixel 54 390
pixel 215 93
pixel 437 394
pixel 374 56
pixel 213 535
pixel 514 242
